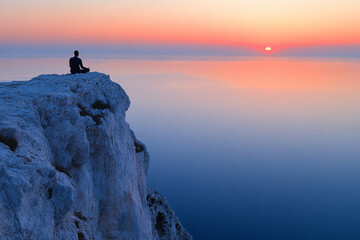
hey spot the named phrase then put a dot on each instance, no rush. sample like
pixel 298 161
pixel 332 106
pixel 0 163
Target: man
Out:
pixel 76 65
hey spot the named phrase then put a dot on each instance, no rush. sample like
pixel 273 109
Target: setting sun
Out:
pixel 268 49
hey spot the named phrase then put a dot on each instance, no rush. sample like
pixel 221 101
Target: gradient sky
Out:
pixel 250 23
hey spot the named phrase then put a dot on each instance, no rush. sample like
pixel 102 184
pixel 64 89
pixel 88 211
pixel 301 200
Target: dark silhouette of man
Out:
pixel 76 65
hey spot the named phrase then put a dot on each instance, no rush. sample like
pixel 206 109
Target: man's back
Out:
pixel 75 63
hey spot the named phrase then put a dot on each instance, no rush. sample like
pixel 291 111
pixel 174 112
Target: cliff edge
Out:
pixel 71 168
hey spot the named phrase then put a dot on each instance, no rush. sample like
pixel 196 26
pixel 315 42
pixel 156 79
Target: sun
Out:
pixel 268 49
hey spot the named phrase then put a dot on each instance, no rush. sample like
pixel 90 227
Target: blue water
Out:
pixel 238 159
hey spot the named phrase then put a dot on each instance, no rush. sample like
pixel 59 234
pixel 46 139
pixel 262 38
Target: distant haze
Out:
pixel 170 51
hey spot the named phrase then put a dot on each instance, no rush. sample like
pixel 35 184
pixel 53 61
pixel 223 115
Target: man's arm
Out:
pixel 81 65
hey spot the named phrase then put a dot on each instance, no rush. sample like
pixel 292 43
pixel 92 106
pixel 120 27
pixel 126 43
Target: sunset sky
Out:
pixel 253 24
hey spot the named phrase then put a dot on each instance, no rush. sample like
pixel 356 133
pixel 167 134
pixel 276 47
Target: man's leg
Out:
pixel 85 70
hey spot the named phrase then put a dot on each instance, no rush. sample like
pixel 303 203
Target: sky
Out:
pixel 250 24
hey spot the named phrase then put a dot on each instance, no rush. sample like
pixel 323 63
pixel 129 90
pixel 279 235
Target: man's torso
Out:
pixel 75 63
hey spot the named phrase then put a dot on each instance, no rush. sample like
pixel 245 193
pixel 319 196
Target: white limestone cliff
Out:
pixel 71 168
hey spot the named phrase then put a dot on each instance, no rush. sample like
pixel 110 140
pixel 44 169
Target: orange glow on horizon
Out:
pixel 227 22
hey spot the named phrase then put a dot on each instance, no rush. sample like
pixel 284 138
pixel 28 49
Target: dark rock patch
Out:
pixel 138 147
pixel 80 215
pixel 97 118
pixel 11 142
pixel 160 223
pixel 63 170
pixel 81 236
pixel 100 105
pixel 77 224
pixel 50 190
pixel 150 200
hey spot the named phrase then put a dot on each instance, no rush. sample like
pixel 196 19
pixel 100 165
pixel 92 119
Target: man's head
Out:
pixel 76 53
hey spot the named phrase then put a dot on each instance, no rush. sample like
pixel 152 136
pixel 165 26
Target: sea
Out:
pixel 243 148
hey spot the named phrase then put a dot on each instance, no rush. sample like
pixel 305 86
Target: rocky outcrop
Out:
pixel 164 221
pixel 71 168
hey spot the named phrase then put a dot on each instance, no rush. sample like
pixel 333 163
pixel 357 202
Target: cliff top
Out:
pixel 88 86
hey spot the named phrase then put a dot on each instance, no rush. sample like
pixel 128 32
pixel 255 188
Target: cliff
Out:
pixel 70 166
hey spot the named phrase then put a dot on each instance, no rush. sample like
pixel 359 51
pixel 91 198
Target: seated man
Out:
pixel 76 65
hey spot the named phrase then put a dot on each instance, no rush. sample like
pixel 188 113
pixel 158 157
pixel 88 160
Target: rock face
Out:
pixel 71 168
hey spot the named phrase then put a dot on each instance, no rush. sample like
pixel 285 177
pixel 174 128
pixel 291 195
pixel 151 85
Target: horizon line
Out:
pixel 51 49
